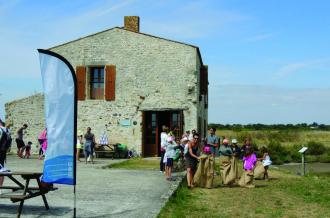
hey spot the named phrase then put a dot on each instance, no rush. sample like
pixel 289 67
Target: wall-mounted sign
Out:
pixel 125 122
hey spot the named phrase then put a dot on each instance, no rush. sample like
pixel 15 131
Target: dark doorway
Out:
pixel 152 127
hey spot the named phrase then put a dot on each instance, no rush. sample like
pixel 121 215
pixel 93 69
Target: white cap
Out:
pixel 234 141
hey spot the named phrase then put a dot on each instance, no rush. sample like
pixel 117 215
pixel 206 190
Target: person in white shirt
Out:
pixel 163 141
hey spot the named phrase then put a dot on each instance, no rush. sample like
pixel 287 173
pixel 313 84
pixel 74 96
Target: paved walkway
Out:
pixel 100 192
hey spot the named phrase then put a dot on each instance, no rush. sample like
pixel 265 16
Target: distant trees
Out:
pixel 259 126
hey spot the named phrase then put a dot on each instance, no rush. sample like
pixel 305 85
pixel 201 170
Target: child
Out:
pixel 266 162
pixel 184 142
pixel 28 150
pixel 79 147
pixel 169 154
pixel 41 139
pixel 250 160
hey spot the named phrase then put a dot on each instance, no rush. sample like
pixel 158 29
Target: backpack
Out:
pixel 5 139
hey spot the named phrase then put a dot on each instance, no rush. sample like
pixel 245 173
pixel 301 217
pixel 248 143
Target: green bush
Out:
pixel 324 158
pixel 278 153
pixel 293 152
pixel 241 136
pixel 315 148
pixel 311 158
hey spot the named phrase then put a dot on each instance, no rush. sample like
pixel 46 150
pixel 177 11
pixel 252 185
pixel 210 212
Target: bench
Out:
pixel 104 153
pixel 22 192
pixel 103 150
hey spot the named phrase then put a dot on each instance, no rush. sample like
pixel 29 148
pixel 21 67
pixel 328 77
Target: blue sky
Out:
pixel 269 61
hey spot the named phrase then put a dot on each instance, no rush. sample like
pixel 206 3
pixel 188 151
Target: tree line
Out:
pixel 259 126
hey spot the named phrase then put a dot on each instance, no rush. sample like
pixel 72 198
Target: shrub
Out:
pixel 311 158
pixel 293 152
pixel 241 136
pixel 324 158
pixel 278 153
pixel 315 148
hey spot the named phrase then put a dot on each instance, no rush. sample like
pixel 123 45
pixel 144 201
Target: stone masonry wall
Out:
pixel 30 111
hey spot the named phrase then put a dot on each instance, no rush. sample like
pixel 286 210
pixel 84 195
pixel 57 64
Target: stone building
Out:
pixel 129 85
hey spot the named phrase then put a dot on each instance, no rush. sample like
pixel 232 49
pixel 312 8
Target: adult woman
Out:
pixel 163 141
pixel 89 144
pixel 191 159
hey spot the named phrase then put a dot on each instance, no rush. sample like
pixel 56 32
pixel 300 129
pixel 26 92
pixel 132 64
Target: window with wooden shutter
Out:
pixel 110 78
pixel 81 82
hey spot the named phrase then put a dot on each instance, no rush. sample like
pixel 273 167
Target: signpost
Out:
pixel 302 151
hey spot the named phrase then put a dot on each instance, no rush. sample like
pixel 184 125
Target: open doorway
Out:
pixel 152 127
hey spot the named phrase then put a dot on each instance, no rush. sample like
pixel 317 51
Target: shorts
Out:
pixel 20 143
pixel 169 162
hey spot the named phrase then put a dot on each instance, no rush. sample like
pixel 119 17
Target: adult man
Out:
pixel 212 140
pixel 19 140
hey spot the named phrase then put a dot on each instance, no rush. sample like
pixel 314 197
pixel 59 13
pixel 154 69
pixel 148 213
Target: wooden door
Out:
pixel 150 134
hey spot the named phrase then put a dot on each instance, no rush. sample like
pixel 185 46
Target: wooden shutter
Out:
pixel 110 82
pixel 81 80
pixel 204 80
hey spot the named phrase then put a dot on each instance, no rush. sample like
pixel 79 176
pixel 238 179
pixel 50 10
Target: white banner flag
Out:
pixel 59 85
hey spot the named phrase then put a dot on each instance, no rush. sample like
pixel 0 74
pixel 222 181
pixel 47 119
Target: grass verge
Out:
pixel 136 164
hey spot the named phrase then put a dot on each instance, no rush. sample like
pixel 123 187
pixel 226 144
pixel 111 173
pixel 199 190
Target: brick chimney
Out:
pixel 132 23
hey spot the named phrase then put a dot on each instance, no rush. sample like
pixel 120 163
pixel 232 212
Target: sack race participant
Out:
pixel 250 160
pixel 228 164
pixel 259 171
pixel 191 159
pixel 204 175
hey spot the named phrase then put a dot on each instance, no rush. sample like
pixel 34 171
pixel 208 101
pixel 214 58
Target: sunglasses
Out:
pixel 195 138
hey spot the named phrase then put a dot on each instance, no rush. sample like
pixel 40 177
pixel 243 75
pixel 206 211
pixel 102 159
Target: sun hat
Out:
pixel 234 141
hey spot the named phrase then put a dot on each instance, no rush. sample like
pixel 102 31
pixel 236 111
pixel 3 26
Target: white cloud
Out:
pixel 299 66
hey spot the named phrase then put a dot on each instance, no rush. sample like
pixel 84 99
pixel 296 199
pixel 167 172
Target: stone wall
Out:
pixel 151 74
pixel 28 110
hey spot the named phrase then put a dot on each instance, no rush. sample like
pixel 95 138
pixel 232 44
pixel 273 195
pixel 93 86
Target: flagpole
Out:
pixel 75 201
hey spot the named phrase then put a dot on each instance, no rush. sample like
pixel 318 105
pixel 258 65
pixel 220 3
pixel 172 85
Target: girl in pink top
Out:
pixel 42 138
pixel 250 160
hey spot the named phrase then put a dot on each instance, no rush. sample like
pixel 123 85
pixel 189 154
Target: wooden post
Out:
pixel 303 164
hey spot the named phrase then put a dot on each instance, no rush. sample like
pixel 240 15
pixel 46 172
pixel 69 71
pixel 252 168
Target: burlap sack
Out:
pixel 246 179
pixel 204 175
pixel 234 173
pixel 228 169
pixel 259 170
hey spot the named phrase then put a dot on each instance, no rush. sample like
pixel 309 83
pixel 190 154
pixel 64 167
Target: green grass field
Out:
pixel 286 137
pixel 284 195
